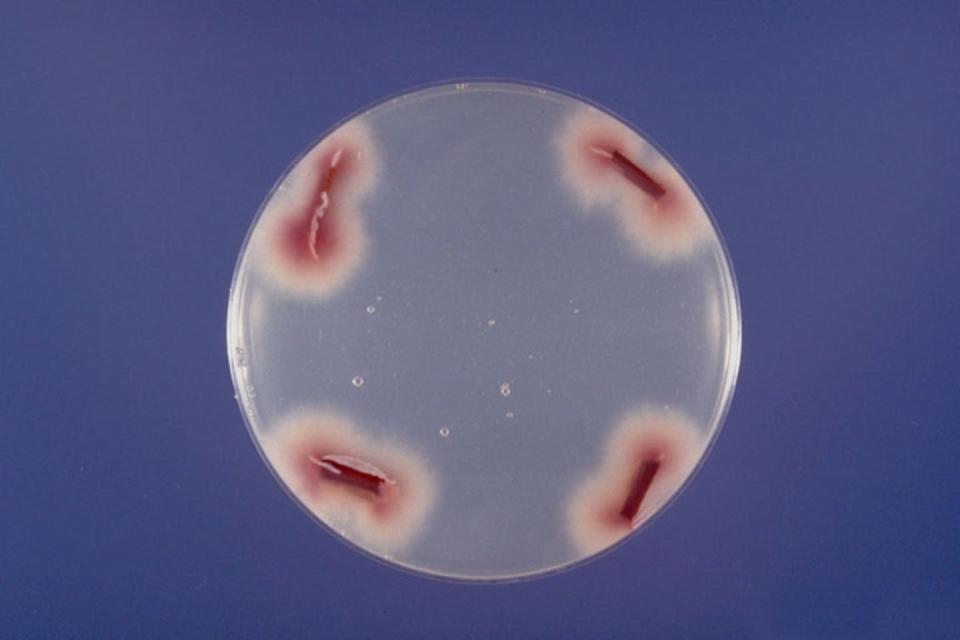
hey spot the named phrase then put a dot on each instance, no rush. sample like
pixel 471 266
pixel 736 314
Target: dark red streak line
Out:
pixel 637 176
pixel 338 468
pixel 639 488
pixel 326 186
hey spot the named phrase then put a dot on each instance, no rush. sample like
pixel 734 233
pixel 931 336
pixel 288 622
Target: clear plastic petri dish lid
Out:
pixel 483 330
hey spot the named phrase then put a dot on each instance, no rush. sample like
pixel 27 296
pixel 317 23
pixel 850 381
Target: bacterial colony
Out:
pixel 483 330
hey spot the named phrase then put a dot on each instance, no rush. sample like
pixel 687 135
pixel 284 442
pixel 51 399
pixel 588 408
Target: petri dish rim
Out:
pixel 731 357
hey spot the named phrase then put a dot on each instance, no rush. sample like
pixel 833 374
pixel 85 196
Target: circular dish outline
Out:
pixel 731 299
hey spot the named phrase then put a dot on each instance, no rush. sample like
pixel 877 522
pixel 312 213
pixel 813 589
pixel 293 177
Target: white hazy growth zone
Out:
pixel 552 283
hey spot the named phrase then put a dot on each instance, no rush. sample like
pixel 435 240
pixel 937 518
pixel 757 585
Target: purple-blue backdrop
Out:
pixel 136 142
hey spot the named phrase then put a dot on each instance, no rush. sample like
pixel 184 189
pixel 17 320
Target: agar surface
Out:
pixel 374 493
pixel 312 237
pixel 648 456
pixel 611 168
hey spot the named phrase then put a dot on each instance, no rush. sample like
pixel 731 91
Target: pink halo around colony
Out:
pixel 647 458
pixel 610 167
pixel 311 237
pixel 373 493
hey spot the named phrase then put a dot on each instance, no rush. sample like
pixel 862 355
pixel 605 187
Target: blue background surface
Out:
pixel 136 143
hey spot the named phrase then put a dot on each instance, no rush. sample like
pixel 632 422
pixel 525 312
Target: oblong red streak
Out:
pixel 319 208
pixel 319 211
pixel 352 471
pixel 639 487
pixel 314 233
pixel 637 176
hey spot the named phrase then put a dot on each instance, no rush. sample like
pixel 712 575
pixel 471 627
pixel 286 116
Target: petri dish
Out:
pixel 483 330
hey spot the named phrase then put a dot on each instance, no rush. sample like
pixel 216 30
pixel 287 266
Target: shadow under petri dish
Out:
pixel 483 330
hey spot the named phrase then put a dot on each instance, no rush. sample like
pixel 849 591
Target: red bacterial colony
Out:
pixel 611 168
pixel 312 235
pixel 354 472
pixel 648 456
pixel 646 472
pixel 371 492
